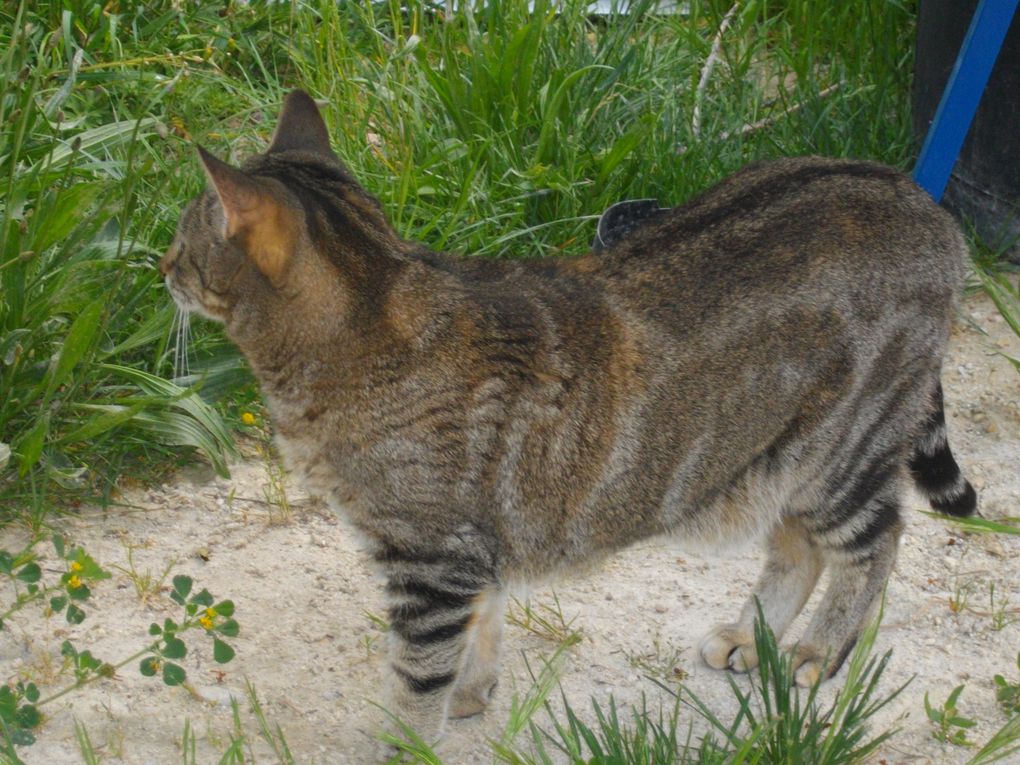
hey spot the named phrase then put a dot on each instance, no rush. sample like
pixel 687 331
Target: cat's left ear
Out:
pixel 264 226
pixel 301 127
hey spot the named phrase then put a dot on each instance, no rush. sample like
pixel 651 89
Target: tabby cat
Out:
pixel 762 361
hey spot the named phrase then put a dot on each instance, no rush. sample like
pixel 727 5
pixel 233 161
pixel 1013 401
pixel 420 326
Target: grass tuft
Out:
pixel 776 721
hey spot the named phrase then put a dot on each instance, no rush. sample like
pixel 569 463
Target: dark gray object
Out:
pixel 985 185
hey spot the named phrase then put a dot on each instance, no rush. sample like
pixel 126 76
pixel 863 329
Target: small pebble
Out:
pixel 219 695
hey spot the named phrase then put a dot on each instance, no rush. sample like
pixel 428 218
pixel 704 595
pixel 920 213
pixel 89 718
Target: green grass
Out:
pixel 88 195
pixel 775 722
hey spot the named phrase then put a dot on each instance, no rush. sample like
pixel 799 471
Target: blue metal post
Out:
pixel 962 94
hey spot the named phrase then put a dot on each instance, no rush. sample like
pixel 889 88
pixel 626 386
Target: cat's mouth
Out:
pixel 184 301
pixel 210 308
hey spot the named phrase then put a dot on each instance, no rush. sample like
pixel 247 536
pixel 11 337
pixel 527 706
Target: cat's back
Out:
pixel 792 225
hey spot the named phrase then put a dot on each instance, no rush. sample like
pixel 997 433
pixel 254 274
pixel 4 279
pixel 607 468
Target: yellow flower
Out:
pixel 210 612
pixel 74 582
pixel 248 418
pixel 154 665
pixel 206 622
pixel 75 566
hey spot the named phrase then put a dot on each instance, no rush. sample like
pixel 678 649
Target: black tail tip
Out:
pixel 960 503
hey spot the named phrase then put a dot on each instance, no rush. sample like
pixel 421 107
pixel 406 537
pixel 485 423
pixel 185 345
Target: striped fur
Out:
pixel 934 469
pixel 762 361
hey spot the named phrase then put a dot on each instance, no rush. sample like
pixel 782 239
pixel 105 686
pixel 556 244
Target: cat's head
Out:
pixel 280 230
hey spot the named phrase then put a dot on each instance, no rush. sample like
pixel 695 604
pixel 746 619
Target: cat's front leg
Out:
pixel 434 599
pixel 477 679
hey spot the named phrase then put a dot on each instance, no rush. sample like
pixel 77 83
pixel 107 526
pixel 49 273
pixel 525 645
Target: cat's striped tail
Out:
pixel 935 470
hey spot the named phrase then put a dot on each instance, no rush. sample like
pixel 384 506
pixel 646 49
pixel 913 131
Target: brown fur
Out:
pixel 760 361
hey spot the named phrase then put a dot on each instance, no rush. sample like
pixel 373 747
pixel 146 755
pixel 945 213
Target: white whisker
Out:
pixel 186 344
pixel 181 332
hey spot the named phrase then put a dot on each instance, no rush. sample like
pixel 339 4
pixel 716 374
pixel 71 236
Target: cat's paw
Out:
pixel 471 699
pixel 810 665
pixel 729 646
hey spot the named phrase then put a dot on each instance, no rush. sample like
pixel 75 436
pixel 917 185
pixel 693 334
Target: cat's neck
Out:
pixel 334 331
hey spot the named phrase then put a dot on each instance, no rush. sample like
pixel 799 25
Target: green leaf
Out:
pixel 75 615
pixel 58 545
pixel 149 666
pixel 87 661
pixel 31 693
pixel 623 146
pixel 1001 293
pixel 27 717
pixel 962 722
pixel 204 598
pixel 222 652
pixel 76 342
pixel 174 648
pixel 1007 525
pixel 65 212
pixel 108 418
pixel 224 608
pixel 89 568
pixel 228 628
pixel 105 135
pixel 182 585
pixel 6 562
pixel 30 572
pixel 57 604
pixel 933 714
pixel 173 674
pixel 954 696
pixel 155 629
pixel 185 419
pixel 81 592
pixel 31 445
pixel 551 107
pixel 8 703
pixel 11 346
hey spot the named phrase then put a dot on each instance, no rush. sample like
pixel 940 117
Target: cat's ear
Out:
pixel 301 127
pixel 265 227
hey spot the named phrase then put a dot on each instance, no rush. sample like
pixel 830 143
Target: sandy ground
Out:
pixel 304 597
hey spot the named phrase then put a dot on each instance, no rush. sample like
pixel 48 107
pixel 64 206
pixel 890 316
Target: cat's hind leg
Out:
pixel 860 552
pixel 791 572
pixel 477 679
